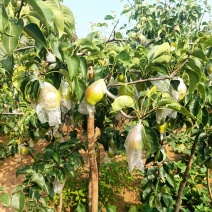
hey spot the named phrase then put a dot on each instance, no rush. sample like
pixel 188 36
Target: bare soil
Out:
pixel 9 180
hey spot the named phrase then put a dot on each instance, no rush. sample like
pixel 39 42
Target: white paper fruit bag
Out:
pixel 133 146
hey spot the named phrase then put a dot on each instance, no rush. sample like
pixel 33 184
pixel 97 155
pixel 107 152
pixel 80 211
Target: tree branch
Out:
pixel 113 31
pixel 24 48
pixel 116 39
pixel 140 81
pixel 208 183
pixel 177 69
pixel 185 177
pixel 19 11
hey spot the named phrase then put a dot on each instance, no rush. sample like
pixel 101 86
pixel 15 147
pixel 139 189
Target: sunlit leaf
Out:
pixel 18 201
pixel 58 16
pixel 4 18
pixel 158 50
pixel 85 43
pixel 5 199
pixel 68 20
pixel 79 88
pixel 122 102
pixel 162 59
pixel 83 67
pixel 45 13
pixel 73 63
pixel 196 66
pixel 150 139
pixel 11 39
pixel 39 179
pixel 193 80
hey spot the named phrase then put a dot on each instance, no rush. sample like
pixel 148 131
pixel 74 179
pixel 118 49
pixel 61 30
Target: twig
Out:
pixel 208 183
pixel 24 48
pixel 177 69
pixel 112 33
pixel 116 39
pixel 19 11
pixel 140 81
pixel 8 113
pixel 185 177
pixel 130 4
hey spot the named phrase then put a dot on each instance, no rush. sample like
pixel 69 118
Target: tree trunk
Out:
pixel 185 177
pixel 93 177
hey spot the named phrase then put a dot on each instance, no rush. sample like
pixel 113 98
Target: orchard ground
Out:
pixel 127 196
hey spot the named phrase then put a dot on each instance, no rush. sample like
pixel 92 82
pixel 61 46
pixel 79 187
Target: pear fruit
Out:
pixel 162 127
pixel 49 96
pixel 95 92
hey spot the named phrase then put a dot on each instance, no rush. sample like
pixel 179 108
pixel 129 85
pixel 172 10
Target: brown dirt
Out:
pixel 9 180
pixel 8 167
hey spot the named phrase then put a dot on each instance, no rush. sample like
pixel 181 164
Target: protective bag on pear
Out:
pixel 133 145
pixel 47 106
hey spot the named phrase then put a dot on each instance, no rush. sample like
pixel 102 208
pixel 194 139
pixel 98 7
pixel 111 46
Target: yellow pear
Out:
pixel 95 92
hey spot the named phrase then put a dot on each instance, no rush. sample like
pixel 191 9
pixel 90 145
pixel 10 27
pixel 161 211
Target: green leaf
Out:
pixel 122 102
pixel 69 169
pixel 110 208
pixel 73 64
pixel 55 47
pixel 146 193
pixel 39 179
pixel 158 50
pixel 162 59
pixel 8 64
pixel 202 92
pixel 18 201
pixel 193 80
pixel 109 17
pixel 34 32
pixel 5 199
pixel 196 66
pixel 45 13
pixel 124 57
pixel 133 209
pixel 79 88
pixel 199 53
pixel 18 188
pixel 58 16
pixel 150 140
pixel 170 180
pixel 160 69
pixel 83 67
pixel 4 18
pixel 85 43
pixel 167 198
pixel 167 101
pixel 184 111
pixel 17 77
pixel 11 39
pixel 68 20
pixel 65 73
